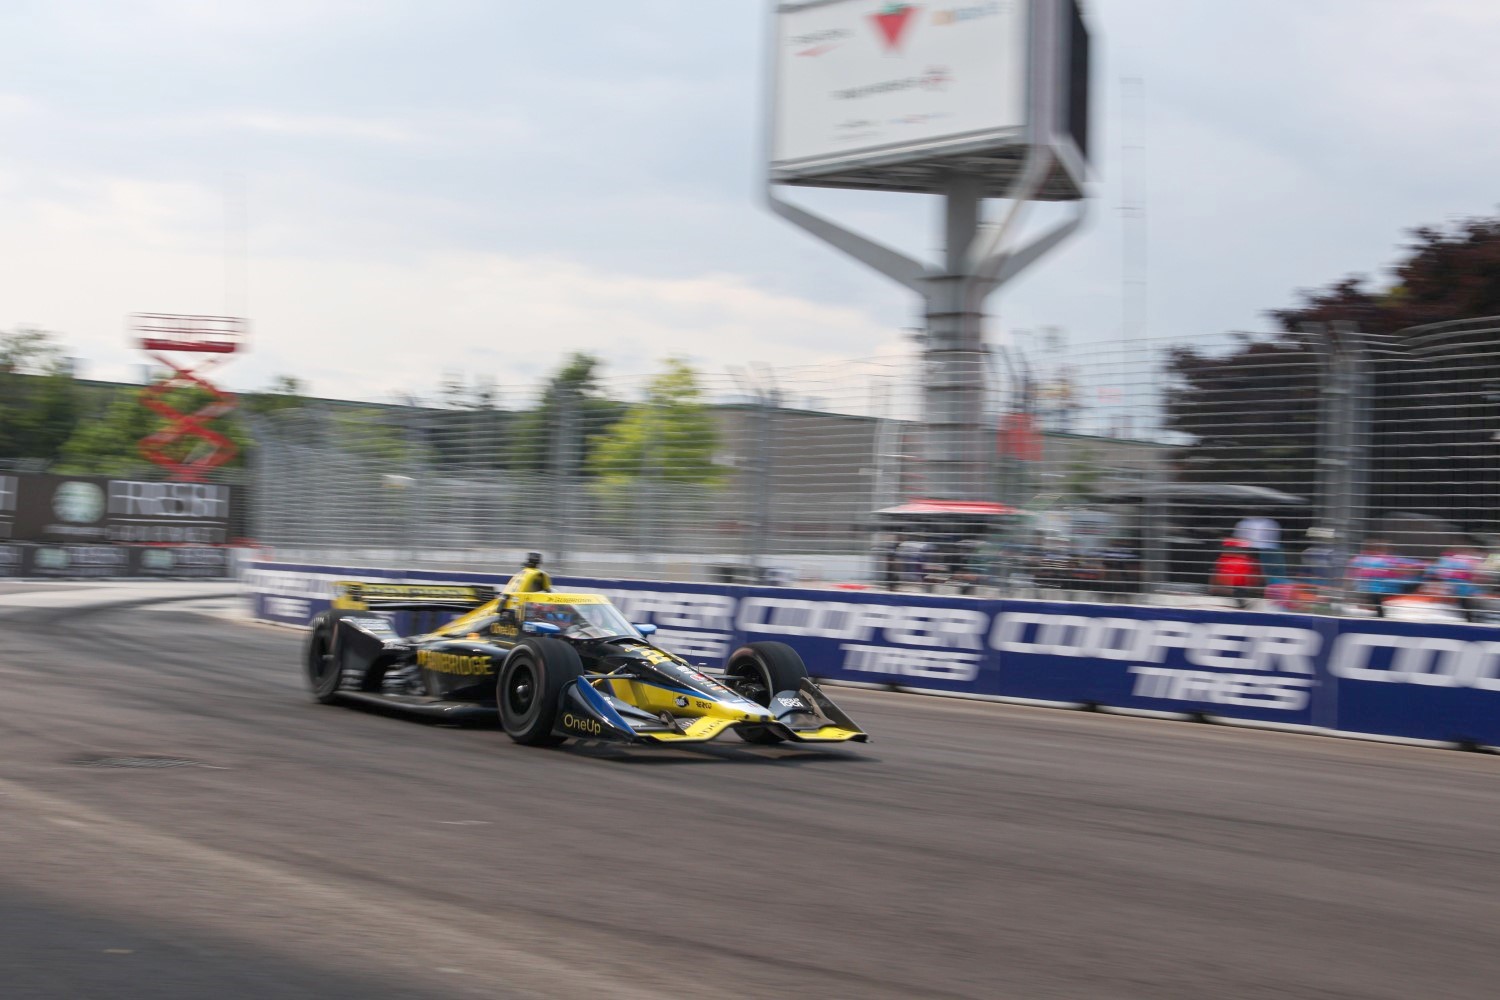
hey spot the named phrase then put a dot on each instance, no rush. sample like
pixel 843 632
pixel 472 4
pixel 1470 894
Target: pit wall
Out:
pixel 1354 677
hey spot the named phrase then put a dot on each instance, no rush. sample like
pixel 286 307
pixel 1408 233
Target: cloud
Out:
pixel 400 327
pixel 334 127
pixel 497 184
pixel 359 326
pixel 18 104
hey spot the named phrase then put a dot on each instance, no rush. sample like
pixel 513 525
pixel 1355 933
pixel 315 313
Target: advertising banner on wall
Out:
pixel 75 562
pixel 181 563
pixel 1402 679
pixel 99 510
pixel 113 562
pixel 12 560
pixel 9 494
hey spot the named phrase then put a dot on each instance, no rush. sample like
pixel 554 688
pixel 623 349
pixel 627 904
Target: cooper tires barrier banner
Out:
pixel 1358 676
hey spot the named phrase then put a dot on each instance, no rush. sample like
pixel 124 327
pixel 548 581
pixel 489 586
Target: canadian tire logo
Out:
pixel 892 21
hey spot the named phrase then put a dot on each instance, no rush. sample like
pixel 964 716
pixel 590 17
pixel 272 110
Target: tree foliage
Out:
pixel 1444 274
pixel 39 400
pixel 670 437
pixel 1252 414
pixel 286 392
pixel 109 445
pixel 29 351
pixel 1082 474
pixel 60 423
pixel 571 415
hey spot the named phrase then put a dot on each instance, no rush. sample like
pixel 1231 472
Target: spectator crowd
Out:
pixel 1378 580
pixel 1253 570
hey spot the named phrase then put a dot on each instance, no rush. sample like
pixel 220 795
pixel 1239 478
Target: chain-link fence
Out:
pixel 813 473
pixel 1255 461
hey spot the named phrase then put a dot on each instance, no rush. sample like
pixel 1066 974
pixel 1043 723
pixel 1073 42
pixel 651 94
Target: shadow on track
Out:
pixel 709 753
pixel 702 753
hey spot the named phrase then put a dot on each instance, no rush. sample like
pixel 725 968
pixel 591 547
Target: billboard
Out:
pixel 92 510
pixel 860 78
pixel 893 95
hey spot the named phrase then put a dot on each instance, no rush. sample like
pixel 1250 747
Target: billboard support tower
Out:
pixel 209 341
pixel 858 87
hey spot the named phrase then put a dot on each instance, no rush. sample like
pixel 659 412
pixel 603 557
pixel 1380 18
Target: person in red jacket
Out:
pixel 1237 574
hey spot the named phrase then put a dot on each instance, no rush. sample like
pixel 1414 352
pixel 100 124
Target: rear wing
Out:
pixel 356 595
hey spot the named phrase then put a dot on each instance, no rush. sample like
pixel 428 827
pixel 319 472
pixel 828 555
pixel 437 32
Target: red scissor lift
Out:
pixel 190 346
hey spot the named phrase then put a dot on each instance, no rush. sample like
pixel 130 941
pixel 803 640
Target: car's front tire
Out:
pixel 758 671
pixel 320 659
pixel 530 689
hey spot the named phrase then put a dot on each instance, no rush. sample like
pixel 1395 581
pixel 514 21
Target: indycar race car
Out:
pixel 557 666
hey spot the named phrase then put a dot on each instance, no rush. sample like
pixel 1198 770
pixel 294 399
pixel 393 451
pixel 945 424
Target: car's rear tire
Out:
pixel 320 660
pixel 530 689
pixel 759 670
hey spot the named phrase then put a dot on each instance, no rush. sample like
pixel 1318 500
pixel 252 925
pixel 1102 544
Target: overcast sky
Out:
pixel 389 188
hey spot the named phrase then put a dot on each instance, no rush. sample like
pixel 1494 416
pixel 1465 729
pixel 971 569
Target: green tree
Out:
pixel 39 399
pixel 668 438
pixel 110 445
pixel 29 351
pixel 374 435
pixel 573 400
pixel 465 430
pixel 286 392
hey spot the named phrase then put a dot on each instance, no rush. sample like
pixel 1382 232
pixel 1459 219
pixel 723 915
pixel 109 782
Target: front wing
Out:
pixel 803 716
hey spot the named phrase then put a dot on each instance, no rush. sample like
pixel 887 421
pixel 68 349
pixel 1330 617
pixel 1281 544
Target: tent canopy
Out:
pixel 1201 494
pixel 948 509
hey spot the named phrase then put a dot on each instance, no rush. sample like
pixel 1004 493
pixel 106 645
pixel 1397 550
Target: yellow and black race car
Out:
pixel 557 666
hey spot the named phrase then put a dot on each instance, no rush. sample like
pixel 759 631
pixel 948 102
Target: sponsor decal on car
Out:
pixel 412 591
pixel 454 663
pixel 582 724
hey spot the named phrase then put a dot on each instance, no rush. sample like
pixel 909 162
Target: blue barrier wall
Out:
pixel 1409 680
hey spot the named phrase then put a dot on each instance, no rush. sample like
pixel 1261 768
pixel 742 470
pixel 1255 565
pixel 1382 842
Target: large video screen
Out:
pixel 870 80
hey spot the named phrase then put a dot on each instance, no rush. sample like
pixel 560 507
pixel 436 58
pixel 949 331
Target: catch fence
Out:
pixel 1106 470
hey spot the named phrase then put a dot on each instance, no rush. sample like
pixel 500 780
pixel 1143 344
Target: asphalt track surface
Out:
pixel 972 850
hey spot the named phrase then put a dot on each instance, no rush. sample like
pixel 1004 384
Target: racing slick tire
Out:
pixel 762 669
pixel 324 672
pixel 530 689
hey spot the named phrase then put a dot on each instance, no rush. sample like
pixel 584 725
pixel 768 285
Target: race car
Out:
pixel 556 666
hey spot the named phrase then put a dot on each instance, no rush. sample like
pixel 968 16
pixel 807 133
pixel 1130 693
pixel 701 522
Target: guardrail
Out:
pixel 1370 678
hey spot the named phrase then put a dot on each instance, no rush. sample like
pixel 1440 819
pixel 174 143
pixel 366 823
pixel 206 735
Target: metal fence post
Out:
pixel 760 538
pixel 1344 436
pixel 564 468
pixel 645 494
pixel 1361 430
